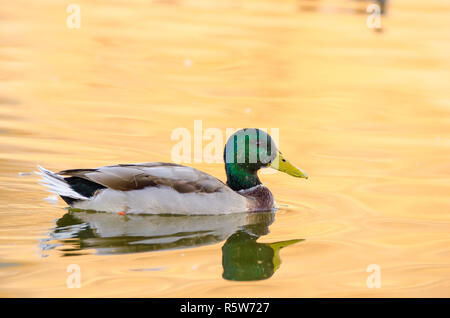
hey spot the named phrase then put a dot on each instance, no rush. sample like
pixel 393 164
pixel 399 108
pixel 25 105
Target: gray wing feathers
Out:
pixel 155 174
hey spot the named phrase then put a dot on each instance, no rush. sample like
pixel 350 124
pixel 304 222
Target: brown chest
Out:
pixel 259 198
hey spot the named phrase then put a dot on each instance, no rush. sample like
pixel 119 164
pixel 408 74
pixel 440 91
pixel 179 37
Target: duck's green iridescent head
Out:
pixel 249 150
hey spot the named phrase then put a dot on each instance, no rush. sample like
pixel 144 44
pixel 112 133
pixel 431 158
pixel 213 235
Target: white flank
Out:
pixel 165 200
pixel 56 184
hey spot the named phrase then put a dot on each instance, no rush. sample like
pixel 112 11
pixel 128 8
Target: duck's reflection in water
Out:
pixel 80 232
pixel 244 259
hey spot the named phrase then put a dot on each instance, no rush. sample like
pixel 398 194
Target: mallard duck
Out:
pixel 168 188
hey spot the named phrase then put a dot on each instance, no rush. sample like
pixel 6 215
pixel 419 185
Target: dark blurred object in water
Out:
pixel 316 6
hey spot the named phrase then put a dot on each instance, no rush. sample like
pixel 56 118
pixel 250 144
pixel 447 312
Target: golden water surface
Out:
pixel 366 113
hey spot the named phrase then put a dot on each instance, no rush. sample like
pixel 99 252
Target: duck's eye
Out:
pixel 284 160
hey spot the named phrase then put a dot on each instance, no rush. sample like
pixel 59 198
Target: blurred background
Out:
pixel 361 101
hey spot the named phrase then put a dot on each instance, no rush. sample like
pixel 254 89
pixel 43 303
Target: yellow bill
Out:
pixel 283 165
pixel 276 246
